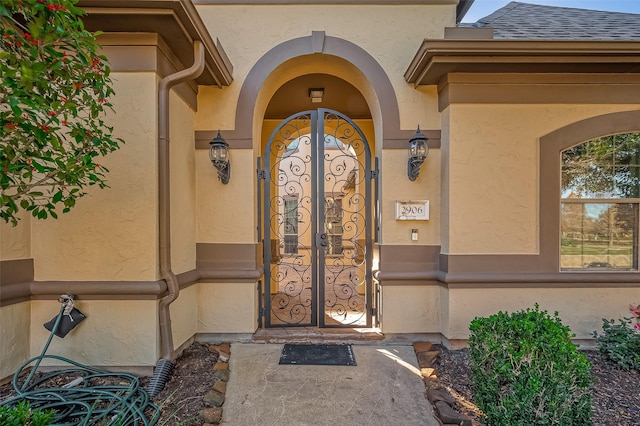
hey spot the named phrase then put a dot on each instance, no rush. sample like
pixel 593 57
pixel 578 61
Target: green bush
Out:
pixel 526 371
pixel 22 415
pixel 620 343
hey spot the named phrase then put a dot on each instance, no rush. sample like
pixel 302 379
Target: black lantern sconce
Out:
pixel 418 151
pixel 219 156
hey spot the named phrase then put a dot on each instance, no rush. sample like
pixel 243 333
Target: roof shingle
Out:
pixel 534 22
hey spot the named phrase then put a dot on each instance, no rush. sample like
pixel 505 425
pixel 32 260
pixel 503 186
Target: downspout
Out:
pixel 165 364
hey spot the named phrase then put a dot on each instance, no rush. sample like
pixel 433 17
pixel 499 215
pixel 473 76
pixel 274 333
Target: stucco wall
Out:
pixel 226 213
pixel 184 315
pixel 183 185
pixel 411 309
pixel 248 32
pixel 580 309
pixel 395 185
pixel 15 241
pixel 492 173
pixel 14 337
pixel 227 307
pixel 115 333
pixel 111 234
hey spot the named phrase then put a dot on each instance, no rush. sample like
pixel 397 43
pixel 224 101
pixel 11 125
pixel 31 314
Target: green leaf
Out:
pixel 57 196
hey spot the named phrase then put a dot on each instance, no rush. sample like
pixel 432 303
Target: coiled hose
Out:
pixel 88 397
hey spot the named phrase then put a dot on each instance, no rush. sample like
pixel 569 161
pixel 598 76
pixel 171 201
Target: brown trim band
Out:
pixel 408 259
pixel 217 257
pixel 433 139
pixel 99 289
pixel 203 137
pixel 529 90
pixel 15 278
pixel 400 265
pixel 435 59
pixel 16 271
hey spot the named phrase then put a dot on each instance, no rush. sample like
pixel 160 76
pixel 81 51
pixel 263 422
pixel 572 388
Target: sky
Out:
pixel 482 8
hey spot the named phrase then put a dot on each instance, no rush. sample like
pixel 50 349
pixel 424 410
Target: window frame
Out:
pixel 551 147
pixel 577 194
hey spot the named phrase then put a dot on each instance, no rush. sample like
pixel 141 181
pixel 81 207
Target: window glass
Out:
pixel 599 208
pixel 599 235
pixel 333 225
pixel 602 168
pixel 291 226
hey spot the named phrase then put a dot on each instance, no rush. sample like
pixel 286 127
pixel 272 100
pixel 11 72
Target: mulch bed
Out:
pixel 191 378
pixel 615 392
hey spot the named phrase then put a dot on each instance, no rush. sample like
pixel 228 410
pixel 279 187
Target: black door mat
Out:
pixel 317 355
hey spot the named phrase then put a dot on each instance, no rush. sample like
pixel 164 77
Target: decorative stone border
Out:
pixel 444 405
pixel 212 414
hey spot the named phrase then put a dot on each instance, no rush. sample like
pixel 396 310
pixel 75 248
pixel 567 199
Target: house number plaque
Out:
pixel 412 210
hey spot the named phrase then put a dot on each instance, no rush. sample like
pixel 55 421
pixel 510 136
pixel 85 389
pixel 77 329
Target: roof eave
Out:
pixel 462 9
pixel 176 21
pixel 436 58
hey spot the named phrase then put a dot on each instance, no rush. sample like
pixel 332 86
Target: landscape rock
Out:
pixel 212 415
pixel 214 398
pixel 222 375
pixel 449 415
pixel 428 372
pixel 422 347
pixel 221 366
pixel 435 395
pixel 220 386
pixel 427 359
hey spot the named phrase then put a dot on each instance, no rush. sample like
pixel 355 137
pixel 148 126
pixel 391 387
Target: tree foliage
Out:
pixel 606 167
pixel 54 91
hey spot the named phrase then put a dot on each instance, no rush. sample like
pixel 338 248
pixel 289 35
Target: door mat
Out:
pixel 317 355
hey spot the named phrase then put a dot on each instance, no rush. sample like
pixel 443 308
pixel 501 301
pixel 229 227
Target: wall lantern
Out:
pixel 418 151
pixel 316 95
pixel 219 156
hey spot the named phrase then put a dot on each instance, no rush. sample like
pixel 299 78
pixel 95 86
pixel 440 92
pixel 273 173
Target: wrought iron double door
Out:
pixel 318 186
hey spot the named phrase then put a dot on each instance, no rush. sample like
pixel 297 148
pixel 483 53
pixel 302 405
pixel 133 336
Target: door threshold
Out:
pixel 318 335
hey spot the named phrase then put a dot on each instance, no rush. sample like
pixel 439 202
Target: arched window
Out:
pixel 599 204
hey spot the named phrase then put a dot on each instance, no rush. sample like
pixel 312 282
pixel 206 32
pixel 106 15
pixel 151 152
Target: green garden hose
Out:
pixel 87 397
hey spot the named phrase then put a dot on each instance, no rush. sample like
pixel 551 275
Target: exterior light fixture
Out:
pixel 316 95
pixel 219 156
pixel 418 151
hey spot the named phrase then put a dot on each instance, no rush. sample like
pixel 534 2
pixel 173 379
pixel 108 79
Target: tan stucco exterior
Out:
pixel 116 241
pixel 14 337
pixel 496 146
pixel 183 186
pixel 122 334
pixel 411 309
pixel 247 32
pixel 426 187
pixel 15 242
pixel 227 308
pixel 581 310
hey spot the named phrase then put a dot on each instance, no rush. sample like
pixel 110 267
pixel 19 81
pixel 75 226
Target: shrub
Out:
pixel 22 415
pixel 526 370
pixel 620 343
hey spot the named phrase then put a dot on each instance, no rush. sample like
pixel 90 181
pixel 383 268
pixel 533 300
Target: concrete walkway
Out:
pixel 385 388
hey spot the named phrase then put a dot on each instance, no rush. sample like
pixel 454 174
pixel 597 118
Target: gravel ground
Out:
pixel 615 392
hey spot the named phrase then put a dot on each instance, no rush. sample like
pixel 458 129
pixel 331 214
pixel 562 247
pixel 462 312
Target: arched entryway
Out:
pixel 317 182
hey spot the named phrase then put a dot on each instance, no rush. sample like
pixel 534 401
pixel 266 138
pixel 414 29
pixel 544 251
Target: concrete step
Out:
pixel 318 335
